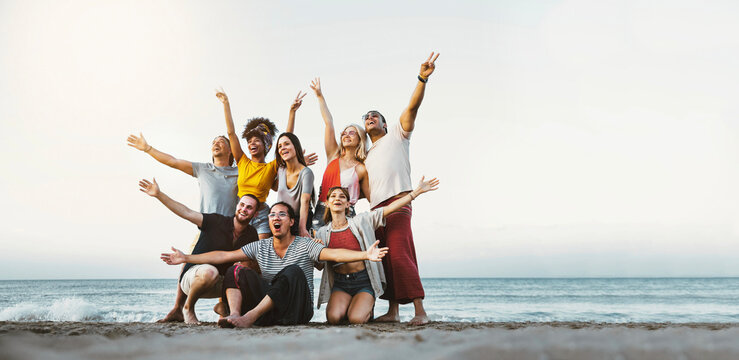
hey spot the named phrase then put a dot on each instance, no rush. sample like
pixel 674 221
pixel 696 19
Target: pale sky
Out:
pixel 572 138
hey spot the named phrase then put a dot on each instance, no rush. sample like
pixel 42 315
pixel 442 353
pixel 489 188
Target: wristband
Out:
pixel 149 149
pixel 421 79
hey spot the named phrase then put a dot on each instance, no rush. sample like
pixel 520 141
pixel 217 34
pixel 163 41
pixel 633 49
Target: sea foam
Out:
pixel 66 309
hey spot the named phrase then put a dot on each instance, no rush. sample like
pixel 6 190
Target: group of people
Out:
pixel 259 259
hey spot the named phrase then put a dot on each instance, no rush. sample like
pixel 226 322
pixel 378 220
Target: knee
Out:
pixel 355 318
pixel 207 274
pixel 334 317
pixel 292 270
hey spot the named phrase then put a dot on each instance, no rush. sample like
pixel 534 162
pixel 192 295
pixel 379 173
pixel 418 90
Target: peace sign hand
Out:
pixel 427 68
pixel 315 84
pixel 298 101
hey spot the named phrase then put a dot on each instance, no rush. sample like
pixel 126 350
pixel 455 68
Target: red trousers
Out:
pixel 400 264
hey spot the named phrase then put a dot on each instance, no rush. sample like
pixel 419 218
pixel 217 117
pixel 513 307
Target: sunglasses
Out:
pixel 370 114
pixel 349 132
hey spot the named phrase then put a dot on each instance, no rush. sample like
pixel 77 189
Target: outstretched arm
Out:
pixel 233 138
pixel 213 257
pixel 293 109
pixel 140 143
pixel 373 253
pixel 408 117
pixel 151 188
pixel 423 186
pixel 329 134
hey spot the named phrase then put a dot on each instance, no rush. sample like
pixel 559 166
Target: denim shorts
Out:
pixel 320 209
pixel 353 283
pixel 260 222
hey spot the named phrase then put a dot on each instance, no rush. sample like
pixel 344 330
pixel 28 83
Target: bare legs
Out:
pixel 252 315
pixel 175 315
pixel 205 278
pixel 393 313
pixel 357 309
pixel 421 318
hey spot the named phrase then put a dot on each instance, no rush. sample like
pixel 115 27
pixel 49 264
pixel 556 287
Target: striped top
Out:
pixel 302 252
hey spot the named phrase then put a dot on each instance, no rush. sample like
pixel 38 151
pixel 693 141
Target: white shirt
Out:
pixel 388 165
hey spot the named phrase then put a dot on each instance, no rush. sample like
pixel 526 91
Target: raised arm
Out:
pixel 213 257
pixel 408 117
pixel 363 176
pixel 423 186
pixel 233 138
pixel 293 109
pixel 139 143
pixel 373 253
pixel 329 133
pixel 151 188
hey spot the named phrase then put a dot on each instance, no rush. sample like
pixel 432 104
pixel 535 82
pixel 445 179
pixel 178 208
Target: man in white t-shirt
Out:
pixel 389 169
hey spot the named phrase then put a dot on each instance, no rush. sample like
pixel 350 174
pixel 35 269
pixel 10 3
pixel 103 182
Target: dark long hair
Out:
pixel 296 144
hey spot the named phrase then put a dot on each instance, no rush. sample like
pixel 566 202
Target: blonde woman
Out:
pixel 345 160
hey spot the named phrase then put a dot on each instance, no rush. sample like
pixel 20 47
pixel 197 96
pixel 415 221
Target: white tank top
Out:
pixel 350 180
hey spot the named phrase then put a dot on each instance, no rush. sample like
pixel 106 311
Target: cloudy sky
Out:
pixel 572 138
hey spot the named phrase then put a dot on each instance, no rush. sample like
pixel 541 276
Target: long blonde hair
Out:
pixel 361 152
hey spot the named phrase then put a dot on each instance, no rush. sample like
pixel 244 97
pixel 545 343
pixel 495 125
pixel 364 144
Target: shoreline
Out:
pixel 437 340
pixel 117 329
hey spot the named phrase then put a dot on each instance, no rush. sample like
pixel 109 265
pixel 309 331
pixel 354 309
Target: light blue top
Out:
pixel 218 190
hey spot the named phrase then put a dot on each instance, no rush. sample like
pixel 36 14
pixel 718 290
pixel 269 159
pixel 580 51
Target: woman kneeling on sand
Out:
pixel 354 286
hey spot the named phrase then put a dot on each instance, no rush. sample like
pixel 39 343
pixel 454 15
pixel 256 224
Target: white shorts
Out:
pixel 187 279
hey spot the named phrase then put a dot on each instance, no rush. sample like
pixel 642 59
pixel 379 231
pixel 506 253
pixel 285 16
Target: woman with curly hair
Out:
pixel 256 176
pixel 345 166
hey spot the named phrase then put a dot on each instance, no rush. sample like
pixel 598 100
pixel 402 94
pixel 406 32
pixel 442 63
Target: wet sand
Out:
pixel 438 340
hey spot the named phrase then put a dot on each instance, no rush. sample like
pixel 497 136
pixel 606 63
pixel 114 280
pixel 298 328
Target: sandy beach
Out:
pixel 439 340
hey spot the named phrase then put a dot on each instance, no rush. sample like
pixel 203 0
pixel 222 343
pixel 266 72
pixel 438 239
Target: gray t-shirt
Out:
pixel 302 252
pixel 304 185
pixel 218 190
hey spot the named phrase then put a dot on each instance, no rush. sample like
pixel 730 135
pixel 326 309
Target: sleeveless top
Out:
pixel 333 176
pixel 344 239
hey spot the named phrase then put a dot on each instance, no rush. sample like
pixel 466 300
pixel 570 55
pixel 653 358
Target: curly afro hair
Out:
pixel 262 128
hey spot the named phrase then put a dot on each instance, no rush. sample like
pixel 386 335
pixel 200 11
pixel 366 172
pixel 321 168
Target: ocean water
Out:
pixel 614 300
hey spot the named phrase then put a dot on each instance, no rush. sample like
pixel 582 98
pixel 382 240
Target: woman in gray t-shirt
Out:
pixel 294 183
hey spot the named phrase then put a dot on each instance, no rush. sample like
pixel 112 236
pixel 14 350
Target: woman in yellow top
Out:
pixel 255 175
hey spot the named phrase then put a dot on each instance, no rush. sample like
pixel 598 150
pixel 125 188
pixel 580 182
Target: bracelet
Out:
pixel 422 79
pixel 149 149
pixel 411 194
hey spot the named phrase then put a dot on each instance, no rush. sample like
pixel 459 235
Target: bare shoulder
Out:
pixel 361 170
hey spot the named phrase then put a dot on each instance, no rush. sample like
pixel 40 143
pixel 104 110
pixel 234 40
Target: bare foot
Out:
pixel 419 320
pixel 174 315
pixel 389 317
pixel 243 321
pixel 190 317
pixel 224 321
pixel 220 309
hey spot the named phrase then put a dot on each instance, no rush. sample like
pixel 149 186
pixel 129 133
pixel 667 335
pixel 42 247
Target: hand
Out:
pixel 175 258
pixel 298 101
pixel 427 68
pixel 138 142
pixel 424 186
pixel 376 254
pixel 149 188
pixel 221 95
pixel 310 159
pixel 304 232
pixel 316 86
pixel 318 241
